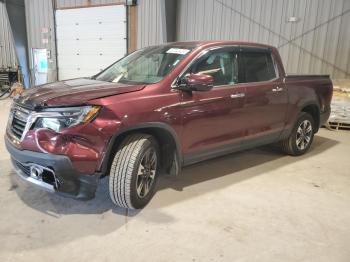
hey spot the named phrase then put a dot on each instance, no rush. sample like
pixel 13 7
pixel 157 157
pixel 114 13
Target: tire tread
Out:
pixel 122 169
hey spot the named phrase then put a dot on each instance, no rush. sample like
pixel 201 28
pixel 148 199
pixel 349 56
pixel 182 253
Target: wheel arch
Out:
pixel 164 134
pixel 314 110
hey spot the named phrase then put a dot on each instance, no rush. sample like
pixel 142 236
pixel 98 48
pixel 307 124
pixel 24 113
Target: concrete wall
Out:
pixel 318 42
pixel 7 50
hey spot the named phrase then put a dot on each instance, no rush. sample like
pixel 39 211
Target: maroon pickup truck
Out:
pixel 157 110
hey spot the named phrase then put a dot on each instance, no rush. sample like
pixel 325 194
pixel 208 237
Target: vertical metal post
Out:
pixel 17 18
pixel 54 7
pixel 170 13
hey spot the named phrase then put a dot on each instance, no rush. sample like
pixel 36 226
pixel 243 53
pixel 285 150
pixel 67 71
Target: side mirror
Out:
pixel 196 82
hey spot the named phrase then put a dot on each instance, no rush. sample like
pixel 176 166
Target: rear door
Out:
pixel 212 119
pixel 265 95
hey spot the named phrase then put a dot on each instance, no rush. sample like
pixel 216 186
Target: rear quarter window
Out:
pixel 258 66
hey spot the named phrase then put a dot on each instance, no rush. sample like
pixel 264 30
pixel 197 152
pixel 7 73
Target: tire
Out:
pixel 130 172
pixel 293 145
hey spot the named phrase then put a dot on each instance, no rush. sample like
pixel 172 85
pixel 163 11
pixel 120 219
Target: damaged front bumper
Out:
pixel 53 173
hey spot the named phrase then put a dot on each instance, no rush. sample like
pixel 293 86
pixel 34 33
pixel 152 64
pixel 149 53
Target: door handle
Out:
pixel 277 89
pixel 237 95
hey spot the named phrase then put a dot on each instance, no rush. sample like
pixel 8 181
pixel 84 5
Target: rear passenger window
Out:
pixel 258 67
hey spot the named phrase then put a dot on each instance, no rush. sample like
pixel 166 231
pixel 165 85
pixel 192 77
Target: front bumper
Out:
pixel 55 173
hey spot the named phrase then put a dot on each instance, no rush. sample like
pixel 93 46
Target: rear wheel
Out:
pixel 134 171
pixel 301 136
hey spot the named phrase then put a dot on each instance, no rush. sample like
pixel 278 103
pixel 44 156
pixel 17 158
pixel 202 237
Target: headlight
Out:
pixel 59 118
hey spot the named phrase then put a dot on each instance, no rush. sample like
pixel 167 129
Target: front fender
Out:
pixel 148 127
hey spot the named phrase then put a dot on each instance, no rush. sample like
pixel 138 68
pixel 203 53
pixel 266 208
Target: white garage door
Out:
pixel 89 39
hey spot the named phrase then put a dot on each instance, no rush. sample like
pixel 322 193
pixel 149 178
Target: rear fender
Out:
pixel 294 116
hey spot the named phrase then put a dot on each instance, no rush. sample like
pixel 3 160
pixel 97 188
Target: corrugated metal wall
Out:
pixel 150 15
pixel 319 42
pixel 41 32
pixel 7 50
pixel 84 3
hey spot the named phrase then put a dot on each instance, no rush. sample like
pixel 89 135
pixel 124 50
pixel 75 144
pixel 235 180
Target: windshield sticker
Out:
pixel 178 51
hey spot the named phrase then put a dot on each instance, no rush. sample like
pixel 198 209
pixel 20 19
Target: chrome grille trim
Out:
pixel 24 117
pixel 19 122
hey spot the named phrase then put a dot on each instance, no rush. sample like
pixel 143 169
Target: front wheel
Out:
pixel 134 171
pixel 301 136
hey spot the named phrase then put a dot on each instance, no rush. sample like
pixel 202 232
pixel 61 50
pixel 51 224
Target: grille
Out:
pixel 23 168
pixel 19 121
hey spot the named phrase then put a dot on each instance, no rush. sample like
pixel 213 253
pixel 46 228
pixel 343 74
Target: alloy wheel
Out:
pixel 304 134
pixel 146 173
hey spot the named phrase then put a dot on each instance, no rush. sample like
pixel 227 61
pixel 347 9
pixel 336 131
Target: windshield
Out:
pixel 147 66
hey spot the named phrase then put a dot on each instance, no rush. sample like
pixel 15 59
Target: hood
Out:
pixel 72 92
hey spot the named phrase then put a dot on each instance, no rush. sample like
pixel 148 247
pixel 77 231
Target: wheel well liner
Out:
pixel 314 111
pixel 163 133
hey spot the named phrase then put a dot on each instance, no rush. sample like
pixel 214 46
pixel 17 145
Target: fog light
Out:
pixel 35 172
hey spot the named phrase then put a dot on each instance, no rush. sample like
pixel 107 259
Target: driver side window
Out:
pixel 221 65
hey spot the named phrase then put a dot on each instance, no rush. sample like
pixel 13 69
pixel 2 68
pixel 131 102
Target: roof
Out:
pixel 216 42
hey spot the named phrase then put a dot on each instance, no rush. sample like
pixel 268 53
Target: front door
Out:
pixel 212 119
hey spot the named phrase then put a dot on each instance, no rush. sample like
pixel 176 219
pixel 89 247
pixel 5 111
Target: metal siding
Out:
pixel 39 15
pixel 318 43
pixel 343 49
pixel 200 20
pixel 150 23
pixel 7 50
pixel 180 17
pixel 238 18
